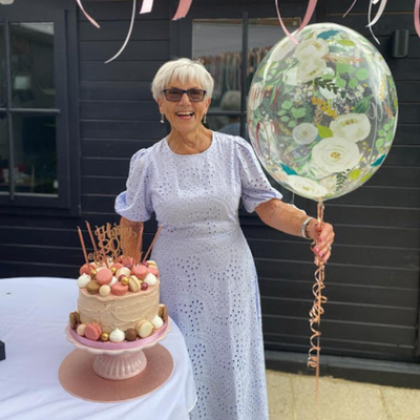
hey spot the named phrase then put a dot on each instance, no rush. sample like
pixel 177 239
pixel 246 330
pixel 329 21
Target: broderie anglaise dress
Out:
pixel 208 277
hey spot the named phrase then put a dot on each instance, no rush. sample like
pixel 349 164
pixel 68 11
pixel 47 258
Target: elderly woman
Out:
pixel 194 180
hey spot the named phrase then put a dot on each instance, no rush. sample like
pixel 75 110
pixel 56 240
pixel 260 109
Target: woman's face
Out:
pixel 184 115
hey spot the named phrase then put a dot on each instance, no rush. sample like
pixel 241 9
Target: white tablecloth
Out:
pixel 33 315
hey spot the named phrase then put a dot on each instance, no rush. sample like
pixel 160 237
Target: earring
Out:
pixel 162 118
pixel 205 119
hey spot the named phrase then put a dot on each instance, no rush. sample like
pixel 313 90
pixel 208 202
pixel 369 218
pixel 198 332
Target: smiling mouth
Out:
pixel 184 114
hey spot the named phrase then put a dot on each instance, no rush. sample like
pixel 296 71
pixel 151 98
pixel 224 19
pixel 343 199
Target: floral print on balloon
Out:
pixel 322 114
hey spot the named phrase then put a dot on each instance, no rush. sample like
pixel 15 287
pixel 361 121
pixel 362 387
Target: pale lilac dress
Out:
pixel 208 276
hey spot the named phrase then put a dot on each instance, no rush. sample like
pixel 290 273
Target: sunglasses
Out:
pixel 175 95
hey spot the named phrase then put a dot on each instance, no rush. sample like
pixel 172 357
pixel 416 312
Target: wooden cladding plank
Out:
pixel 341 293
pixel 377 333
pixel 386 44
pixel 407 134
pixel 133 71
pixel 409 114
pixel 38 223
pixel 391 176
pixel 383 197
pixel 340 7
pixel 113 148
pixel 121 10
pixel 386 25
pixel 103 185
pixel 340 273
pixel 346 235
pixel 345 348
pixel 121 111
pixel 141 130
pixel 52 237
pixel 374 216
pixel 341 311
pixel 364 256
pixel 404 155
pixel 21 269
pixel 117 31
pixel 135 50
pixel 115 91
pixel 105 167
pixel 408 91
pixel 405 70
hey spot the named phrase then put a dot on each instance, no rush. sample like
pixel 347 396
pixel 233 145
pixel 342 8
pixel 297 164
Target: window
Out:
pixel 35 149
pixel 221 44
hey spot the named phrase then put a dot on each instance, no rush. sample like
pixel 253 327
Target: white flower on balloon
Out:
pixel 311 49
pixel 281 51
pixel 311 69
pixel 305 133
pixel 306 187
pixel 352 127
pixel 256 96
pixel 290 77
pixel 335 154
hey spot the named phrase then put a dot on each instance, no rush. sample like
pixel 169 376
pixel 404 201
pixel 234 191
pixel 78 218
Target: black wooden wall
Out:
pixel 373 277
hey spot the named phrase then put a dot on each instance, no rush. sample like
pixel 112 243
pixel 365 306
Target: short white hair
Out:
pixel 183 70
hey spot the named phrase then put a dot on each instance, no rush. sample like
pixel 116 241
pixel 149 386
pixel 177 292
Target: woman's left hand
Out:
pixel 323 236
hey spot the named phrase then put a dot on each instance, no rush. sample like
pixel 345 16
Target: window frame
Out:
pixel 64 18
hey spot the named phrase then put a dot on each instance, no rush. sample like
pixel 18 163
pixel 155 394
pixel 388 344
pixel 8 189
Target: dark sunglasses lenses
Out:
pixel 175 95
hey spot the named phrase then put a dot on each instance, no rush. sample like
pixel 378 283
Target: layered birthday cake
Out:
pixel 118 295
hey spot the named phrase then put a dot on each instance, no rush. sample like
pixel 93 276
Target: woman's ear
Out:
pixel 160 104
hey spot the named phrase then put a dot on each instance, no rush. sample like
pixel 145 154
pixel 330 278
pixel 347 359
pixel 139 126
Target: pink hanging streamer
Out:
pixel 183 9
pixel 88 17
pixel 308 15
pixel 133 18
pixel 417 17
pixel 146 7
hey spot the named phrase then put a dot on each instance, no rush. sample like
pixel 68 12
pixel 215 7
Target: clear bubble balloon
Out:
pixel 322 114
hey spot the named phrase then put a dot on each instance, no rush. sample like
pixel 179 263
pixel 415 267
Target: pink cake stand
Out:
pixel 118 361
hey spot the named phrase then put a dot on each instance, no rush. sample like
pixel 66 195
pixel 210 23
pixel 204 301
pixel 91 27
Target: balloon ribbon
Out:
pixel 183 8
pixel 308 15
pixel 417 17
pixel 88 17
pixel 317 309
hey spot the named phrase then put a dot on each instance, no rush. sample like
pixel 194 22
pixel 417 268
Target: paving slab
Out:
pixel 292 397
pixel 401 403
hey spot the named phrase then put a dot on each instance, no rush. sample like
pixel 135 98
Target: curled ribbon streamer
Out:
pixel 350 8
pixel 133 18
pixel 183 8
pixel 88 17
pixel 379 12
pixel 308 15
pixel 369 20
pixel 146 7
pixel 417 17
pixel 317 310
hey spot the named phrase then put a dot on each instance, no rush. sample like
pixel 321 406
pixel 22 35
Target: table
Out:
pixel 33 315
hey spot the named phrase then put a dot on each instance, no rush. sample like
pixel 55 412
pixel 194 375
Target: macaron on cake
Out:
pixel 118 302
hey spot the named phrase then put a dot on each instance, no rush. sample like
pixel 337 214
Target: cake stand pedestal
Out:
pixel 114 372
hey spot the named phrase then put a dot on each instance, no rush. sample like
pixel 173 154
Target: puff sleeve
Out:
pixel 135 203
pixel 256 189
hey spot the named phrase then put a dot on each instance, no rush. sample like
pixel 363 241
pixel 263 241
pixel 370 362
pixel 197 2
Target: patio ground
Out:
pixel 292 397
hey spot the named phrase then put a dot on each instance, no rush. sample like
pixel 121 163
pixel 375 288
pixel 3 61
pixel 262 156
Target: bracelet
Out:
pixel 303 228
